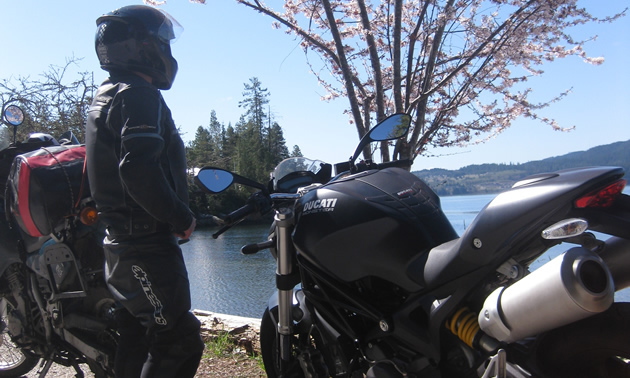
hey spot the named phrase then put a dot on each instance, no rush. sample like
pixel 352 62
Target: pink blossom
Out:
pixel 460 67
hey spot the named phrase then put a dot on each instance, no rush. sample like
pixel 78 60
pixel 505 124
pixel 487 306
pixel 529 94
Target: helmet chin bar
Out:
pixel 144 76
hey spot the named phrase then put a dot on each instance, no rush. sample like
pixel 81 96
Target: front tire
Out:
pixel 305 356
pixel 269 349
pixel 13 361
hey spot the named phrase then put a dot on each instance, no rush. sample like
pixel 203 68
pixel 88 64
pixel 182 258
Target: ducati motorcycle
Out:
pixel 373 281
pixel 54 304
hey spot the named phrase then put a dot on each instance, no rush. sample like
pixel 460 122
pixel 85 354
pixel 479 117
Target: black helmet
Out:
pixel 137 38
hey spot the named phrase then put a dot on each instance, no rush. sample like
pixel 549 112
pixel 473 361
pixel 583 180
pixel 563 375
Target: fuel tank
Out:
pixel 378 224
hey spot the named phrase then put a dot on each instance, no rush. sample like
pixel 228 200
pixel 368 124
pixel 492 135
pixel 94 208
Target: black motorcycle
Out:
pixel 373 280
pixel 54 304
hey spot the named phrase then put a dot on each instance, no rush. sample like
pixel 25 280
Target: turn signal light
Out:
pixel 565 229
pixel 603 197
pixel 89 216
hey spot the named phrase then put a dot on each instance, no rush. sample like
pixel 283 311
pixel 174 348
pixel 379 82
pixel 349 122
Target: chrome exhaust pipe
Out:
pixel 573 286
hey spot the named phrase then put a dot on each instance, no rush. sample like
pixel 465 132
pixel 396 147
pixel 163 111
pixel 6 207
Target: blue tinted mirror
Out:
pixel 214 179
pixel 393 127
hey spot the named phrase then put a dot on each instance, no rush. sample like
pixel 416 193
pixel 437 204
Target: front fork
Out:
pixel 284 219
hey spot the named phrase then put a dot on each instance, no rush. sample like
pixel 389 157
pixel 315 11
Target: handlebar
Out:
pixel 239 214
pixel 405 163
pixel 235 217
pixel 261 201
pixel 367 165
pixel 250 249
pixel 257 202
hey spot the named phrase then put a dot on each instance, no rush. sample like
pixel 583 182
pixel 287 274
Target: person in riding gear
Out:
pixel 136 166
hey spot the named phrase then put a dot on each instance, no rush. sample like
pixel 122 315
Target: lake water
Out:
pixel 225 281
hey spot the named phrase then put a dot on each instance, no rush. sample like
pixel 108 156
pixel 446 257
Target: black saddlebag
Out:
pixel 46 185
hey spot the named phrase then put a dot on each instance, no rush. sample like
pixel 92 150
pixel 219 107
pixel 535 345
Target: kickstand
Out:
pixel 44 371
pixel 76 367
pixel 497 366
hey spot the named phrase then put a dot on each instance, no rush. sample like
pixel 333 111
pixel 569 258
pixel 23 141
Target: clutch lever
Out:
pixel 225 228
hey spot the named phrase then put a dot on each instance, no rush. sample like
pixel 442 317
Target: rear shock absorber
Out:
pixel 464 325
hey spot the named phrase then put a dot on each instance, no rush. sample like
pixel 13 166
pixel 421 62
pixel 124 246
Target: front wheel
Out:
pixel 306 359
pixel 13 361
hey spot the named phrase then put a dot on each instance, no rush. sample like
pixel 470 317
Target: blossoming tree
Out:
pixel 458 67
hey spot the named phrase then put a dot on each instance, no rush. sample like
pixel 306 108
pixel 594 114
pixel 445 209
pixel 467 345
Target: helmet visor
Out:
pixel 170 30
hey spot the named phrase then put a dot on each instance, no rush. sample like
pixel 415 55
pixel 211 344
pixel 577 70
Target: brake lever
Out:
pixel 258 202
pixel 220 231
pixel 225 228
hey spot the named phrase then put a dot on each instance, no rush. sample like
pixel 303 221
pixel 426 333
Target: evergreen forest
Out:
pixel 251 147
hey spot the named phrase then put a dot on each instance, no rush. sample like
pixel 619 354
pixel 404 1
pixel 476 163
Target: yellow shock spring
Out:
pixel 464 325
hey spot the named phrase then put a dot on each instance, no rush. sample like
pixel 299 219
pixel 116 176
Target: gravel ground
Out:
pixel 232 363
pixel 59 371
pixel 237 362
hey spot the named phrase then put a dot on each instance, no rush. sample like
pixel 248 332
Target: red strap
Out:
pixel 64 156
pixel 76 205
pixel 23 199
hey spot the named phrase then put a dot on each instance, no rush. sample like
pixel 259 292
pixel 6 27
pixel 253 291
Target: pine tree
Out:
pixel 255 97
pixel 201 149
pixel 251 148
pixel 296 152
pixel 278 150
pixel 230 141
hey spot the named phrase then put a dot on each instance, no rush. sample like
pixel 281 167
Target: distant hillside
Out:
pixel 493 178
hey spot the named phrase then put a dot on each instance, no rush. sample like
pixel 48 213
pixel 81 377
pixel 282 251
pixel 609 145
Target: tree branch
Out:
pixel 348 77
pixel 396 64
pixel 428 76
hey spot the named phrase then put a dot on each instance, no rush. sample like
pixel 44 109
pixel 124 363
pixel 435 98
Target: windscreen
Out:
pixel 296 164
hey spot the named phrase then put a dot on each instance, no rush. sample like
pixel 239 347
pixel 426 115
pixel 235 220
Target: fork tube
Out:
pixel 284 227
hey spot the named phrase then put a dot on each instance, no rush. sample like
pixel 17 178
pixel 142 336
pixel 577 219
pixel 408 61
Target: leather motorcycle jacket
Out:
pixel 136 160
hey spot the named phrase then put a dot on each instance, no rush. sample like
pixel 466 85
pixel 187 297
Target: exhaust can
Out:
pixel 573 286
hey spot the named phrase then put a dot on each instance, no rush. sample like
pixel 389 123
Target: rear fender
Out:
pixel 613 220
pixel 6 261
pixel 304 317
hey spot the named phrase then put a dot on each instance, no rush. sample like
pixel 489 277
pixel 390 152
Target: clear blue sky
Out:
pixel 224 44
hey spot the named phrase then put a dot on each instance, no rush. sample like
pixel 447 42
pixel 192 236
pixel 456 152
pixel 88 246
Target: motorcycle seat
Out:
pixel 510 218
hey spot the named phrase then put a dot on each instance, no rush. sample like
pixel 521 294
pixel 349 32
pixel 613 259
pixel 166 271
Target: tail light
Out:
pixel 602 197
pixel 89 216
